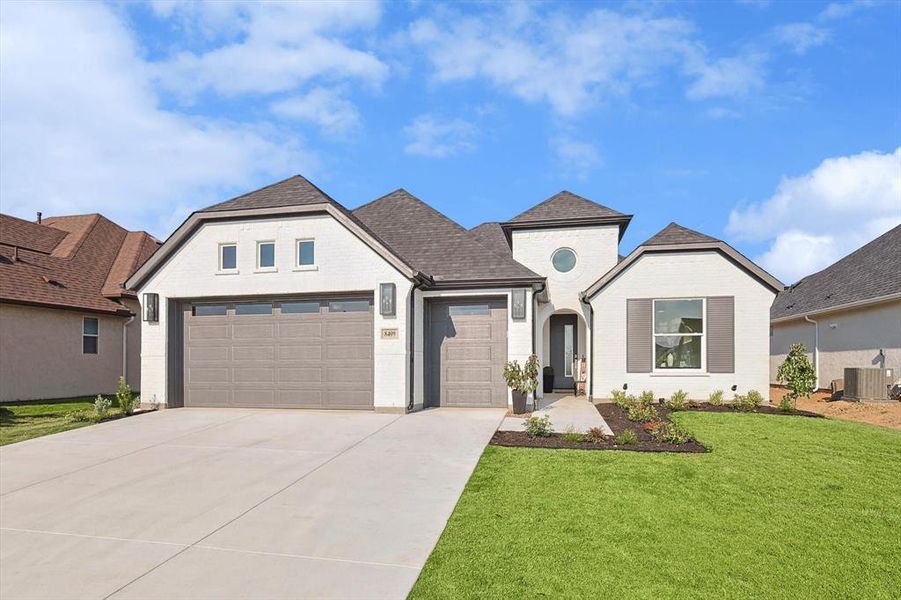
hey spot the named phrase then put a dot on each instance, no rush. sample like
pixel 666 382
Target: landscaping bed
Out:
pixel 645 443
pixel 763 409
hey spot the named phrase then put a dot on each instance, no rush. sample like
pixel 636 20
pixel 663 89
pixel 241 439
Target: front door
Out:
pixel 564 341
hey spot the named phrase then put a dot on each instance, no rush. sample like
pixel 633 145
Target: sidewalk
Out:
pixel 566 412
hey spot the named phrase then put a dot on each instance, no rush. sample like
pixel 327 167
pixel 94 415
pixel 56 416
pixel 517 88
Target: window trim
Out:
pixel 314 266
pixel 221 270
pixel 274 267
pixel 93 335
pixel 655 370
pixel 575 256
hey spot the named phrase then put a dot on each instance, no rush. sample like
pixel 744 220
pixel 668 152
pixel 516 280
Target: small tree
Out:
pixel 798 375
pixel 125 397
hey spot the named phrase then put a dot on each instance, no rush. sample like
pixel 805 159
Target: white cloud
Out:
pixel 801 37
pixel 814 219
pixel 840 10
pixel 83 130
pixel 324 107
pixel 575 157
pixel 732 76
pixel 432 136
pixel 273 47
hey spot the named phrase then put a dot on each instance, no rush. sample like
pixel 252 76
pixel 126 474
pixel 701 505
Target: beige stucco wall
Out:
pixel 41 354
pixel 849 338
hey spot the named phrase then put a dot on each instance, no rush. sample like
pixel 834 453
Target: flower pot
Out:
pixel 519 402
pixel 548 379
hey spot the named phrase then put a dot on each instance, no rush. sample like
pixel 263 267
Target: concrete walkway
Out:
pixel 234 503
pixel 567 412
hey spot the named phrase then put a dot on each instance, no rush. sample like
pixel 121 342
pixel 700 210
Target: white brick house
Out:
pixel 284 298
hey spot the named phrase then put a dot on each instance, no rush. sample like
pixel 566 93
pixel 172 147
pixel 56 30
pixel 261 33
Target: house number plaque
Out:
pixel 389 334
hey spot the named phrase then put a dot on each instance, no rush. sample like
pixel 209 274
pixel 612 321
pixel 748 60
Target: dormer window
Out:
pixel 564 260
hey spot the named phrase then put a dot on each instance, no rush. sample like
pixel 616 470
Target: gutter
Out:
pixel 840 307
pixel 590 345
pixel 816 348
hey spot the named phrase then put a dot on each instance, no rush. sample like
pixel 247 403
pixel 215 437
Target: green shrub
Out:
pixel 125 397
pixel 678 401
pixel 715 398
pixel 596 435
pixel 539 426
pixel 798 375
pixel 626 437
pixel 669 433
pixel 619 398
pixel 748 402
pixel 101 407
pixel 82 416
pixel 641 412
pixel 571 435
pixel 647 398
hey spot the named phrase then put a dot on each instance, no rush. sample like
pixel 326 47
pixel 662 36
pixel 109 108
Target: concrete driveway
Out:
pixel 231 503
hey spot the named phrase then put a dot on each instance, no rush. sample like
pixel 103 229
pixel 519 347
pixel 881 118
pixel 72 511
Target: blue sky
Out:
pixel 775 126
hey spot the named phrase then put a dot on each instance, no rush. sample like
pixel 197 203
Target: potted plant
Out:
pixel 548 379
pixel 522 380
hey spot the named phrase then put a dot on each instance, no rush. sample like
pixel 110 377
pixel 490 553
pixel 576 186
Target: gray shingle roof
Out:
pixel 294 191
pixel 434 244
pixel 674 234
pixel 870 272
pixel 565 205
pixel 491 235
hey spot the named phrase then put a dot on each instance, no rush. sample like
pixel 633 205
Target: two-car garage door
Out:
pixel 301 353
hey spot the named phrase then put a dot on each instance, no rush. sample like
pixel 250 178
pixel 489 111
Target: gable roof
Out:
pixel 491 235
pixel 294 191
pixel 870 273
pixel 436 245
pixel 676 234
pixel 85 269
pixel 565 205
pixel 675 238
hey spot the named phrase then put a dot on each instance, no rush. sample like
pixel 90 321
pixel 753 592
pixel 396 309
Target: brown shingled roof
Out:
pixel 491 235
pixel 83 270
pixel 565 205
pixel 676 234
pixel 294 191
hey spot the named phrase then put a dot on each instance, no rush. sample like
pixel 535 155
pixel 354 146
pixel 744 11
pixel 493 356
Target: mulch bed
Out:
pixel 763 410
pixel 520 439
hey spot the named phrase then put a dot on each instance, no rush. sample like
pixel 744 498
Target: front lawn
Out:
pixel 25 420
pixel 783 507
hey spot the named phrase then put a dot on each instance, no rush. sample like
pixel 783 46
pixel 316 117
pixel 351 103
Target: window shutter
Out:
pixel 721 334
pixel 639 338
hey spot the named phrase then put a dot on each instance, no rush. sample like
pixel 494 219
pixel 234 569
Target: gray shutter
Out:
pixel 639 339
pixel 721 334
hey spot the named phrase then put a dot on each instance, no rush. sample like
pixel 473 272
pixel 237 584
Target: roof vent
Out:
pixel 52 282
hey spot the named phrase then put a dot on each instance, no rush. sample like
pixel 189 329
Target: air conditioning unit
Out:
pixel 867 384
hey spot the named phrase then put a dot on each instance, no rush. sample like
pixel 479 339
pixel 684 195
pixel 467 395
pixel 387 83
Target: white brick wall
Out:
pixel 344 264
pixel 674 275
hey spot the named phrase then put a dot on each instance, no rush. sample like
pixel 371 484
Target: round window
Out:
pixel 564 260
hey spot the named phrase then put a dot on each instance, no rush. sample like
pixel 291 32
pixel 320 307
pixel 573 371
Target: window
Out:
pixel 300 307
pixel 465 310
pixel 568 350
pixel 209 310
pixel 306 253
pixel 348 305
pixel 228 257
pixel 564 260
pixel 678 334
pixel 90 332
pixel 255 308
pixel 266 255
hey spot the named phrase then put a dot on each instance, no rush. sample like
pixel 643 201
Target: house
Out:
pixel 67 324
pixel 283 297
pixel 847 315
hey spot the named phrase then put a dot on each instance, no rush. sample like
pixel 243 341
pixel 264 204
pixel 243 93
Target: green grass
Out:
pixel 783 507
pixel 25 420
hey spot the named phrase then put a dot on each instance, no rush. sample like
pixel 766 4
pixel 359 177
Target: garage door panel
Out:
pixel 463 374
pixel 472 396
pixel 473 332
pixel 463 353
pixel 306 360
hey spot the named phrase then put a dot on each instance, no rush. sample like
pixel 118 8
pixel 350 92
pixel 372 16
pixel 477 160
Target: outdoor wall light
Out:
pixel 387 299
pixel 151 308
pixel 519 304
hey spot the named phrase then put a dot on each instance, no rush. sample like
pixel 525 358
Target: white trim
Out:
pixel 299 267
pixel 219 269
pixel 575 256
pixel 660 371
pixel 267 269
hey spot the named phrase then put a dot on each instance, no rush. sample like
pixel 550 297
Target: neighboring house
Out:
pixel 282 297
pixel 66 321
pixel 847 315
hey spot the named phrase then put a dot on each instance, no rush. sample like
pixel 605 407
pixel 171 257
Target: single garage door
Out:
pixel 467 348
pixel 305 353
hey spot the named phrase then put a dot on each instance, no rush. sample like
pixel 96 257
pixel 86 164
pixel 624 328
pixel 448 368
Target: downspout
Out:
pixel 535 293
pixel 816 348
pixel 590 345
pixel 125 347
pixel 417 284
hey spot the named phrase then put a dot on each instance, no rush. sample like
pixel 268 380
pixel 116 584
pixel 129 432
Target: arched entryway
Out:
pixel 564 341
